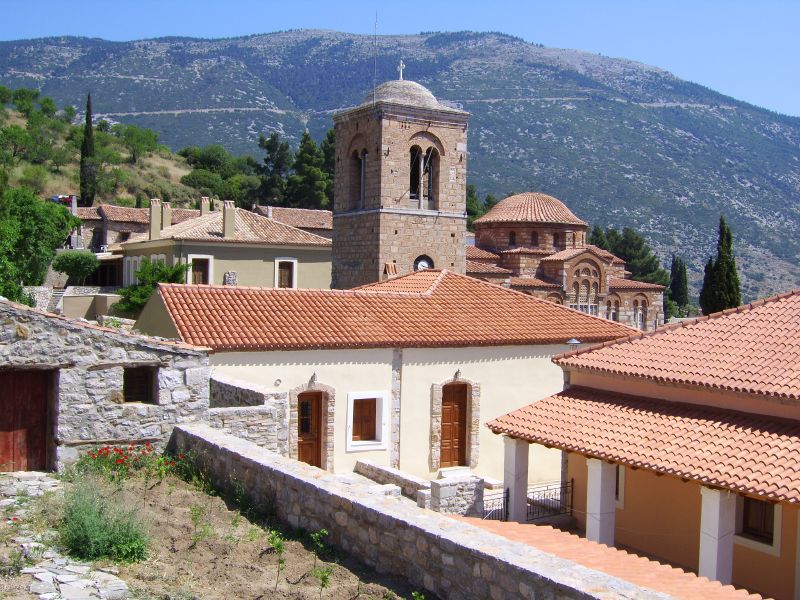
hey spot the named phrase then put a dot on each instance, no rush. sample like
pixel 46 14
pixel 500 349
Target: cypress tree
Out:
pixel 678 282
pixel 88 169
pixel 727 276
pixel 708 300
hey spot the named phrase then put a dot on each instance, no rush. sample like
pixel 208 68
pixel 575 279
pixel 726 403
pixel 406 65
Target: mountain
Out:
pixel 620 142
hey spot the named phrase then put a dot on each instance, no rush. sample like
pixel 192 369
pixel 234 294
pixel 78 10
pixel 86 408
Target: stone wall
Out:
pixel 449 558
pixel 409 484
pixel 40 294
pixel 227 392
pixel 458 496
pixel 85 366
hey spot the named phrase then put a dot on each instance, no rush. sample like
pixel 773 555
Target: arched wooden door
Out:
pixel 309 428
pixel 454 425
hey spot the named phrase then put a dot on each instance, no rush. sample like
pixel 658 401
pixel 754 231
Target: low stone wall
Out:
pixel 458 496
pixel 258 424
pixel 447 557
pixel 40 294
pixel 227 392
pixel 409 484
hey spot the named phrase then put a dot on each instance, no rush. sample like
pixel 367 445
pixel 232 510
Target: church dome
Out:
pixel 407 93
pixel 530 207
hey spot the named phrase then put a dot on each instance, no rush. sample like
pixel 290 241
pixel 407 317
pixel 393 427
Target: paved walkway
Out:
pixel 55 577
pixel 638 570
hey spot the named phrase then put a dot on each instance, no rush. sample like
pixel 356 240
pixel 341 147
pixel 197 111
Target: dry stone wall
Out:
pixel 458 496
pixel 449 558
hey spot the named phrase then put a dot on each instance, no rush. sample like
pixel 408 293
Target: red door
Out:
pixel 454 425
pixel 309 428
pixel 23 420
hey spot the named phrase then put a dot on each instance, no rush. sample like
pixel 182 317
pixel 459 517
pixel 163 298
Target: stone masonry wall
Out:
pixel 87 364
pixel 449 558
pixel 409 484
pixel 458 496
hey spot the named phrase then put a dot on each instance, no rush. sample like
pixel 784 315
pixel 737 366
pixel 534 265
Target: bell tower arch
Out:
pixel 400 185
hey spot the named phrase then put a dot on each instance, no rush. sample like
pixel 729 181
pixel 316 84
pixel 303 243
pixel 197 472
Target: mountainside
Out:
pixel 620 142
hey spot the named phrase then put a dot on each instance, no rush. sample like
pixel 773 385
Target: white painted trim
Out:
pixel 191 257
pixel 281 259
pixel 773 549
pixel 381 422
pixel 620 501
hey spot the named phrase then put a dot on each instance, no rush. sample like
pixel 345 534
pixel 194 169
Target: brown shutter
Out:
pixel 364 419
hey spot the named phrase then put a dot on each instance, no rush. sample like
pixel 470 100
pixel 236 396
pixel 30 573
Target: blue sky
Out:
pixel 746 49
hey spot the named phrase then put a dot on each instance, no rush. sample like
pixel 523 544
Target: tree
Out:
pixel 597 237
pixel 277 162
pixel 24 99
pixel 47 107
pixel 5 95
pixel 306 186
pixel 68 114
pixel 34 177
pixel 638 257
pixel 328 148
pixel 77 264
pixel 16 141
pixel 206 182
pixel 678 283
pixel 88 169
pixel 475 208
pixel 136 140
pixel 149 275
pixel 721 289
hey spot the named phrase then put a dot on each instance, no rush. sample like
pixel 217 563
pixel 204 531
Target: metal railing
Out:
pixel 495 506
pixel 549 500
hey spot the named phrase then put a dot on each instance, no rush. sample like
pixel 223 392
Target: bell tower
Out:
pixel 400 185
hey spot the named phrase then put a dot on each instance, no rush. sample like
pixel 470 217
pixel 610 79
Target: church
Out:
pixel 400 206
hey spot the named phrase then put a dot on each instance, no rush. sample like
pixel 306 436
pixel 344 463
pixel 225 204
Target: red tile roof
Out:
pixel 533 282
pixel 127 214
pixel 569 253
pixel 669 581
pixel 530 207
pixel 475 253
pixel 748 453
pixel 88 213
pixel 250 228
pixel 753 349
pixel 425 309
pixel 524 250
pixel 616 283
pixel 474 266
pixel 303 218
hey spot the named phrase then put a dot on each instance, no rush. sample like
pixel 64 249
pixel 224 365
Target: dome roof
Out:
pixel 530 207
pixel 407 93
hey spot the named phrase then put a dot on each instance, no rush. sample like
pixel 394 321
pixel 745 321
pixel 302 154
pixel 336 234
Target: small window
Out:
pixel 285 274
pixel 364 410
pixel 200 271
pixel 139 384
pixel 758 520
pixel 512 239
pixel 534 239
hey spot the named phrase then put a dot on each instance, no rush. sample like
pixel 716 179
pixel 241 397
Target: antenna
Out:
pixel 375 59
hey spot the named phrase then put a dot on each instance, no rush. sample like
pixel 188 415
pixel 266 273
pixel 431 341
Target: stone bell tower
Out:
pixel 400 186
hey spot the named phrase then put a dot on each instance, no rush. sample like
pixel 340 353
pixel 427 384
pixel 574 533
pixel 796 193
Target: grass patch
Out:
pixel 93 527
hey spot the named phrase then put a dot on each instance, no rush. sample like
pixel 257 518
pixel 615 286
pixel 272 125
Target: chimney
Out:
pixel 228 220
pixel 205 206
pixel 155 218
pixel 166 215
pixel 269 212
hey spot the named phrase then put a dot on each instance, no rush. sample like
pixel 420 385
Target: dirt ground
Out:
pixel 203 548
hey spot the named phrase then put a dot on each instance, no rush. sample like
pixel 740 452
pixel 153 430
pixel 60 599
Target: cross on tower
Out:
pixel 400 68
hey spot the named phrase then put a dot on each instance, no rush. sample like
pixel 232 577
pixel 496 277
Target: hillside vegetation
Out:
pixel 622 143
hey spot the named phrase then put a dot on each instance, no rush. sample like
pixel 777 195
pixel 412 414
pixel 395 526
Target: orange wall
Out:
pixel 661 518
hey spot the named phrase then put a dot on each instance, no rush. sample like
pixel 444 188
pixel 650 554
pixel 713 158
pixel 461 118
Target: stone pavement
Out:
pixel 55 577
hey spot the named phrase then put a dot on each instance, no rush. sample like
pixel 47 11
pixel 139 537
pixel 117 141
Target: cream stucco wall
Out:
pixel 510 377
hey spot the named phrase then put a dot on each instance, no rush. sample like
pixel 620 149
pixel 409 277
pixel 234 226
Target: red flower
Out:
pixel 119 461
pixel 181 456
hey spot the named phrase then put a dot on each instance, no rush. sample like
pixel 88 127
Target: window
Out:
pixel 358 177
pixel 534 239
pixel 286 273
pixel 415 172
pixel 758 525
pixel 139 384
pixel 512 239
pixel 201 269
pixel 367 421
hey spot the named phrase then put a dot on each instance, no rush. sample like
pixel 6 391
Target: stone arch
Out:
pixel 555 298
pixel 473 420
pixel 357 143
pixel 328 414
pixel 426 139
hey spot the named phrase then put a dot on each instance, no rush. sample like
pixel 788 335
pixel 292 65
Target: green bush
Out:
pixel 94 528
pixel 77 264
pixel 34 177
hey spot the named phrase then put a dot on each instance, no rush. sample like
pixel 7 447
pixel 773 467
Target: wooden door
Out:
pixel 285 274
pixel 200 271
pixel 23 420
pixel 454 425
pixel 309 428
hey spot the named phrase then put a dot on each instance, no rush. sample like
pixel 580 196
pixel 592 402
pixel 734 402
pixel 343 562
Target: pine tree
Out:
pixel 678 283
pixel 277 162
pixel 721 290
pixel 88 168
pixel 306 186
pixel 638 256
pixel 597 237
pixel 475 208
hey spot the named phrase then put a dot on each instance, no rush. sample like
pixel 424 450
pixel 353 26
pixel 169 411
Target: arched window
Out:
pixel 512 239
pixel 558 241
pixel 608 311
pixel 415 172
pixel 534 239
pixel 358 168
pixel 573 297
pixel 430 178
pixel 615 315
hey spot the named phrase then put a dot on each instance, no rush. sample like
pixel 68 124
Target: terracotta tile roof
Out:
pixel 616 283
pixel 126 214
pixel 605 253
pixel 302 218
pixel 475 253
pixel 638 570
pixel 250 228
pixel 748 453
pixel 425 309
pixel 530 207
pixel 179 215
pixel 533 282
pixel 753 349
pixel 479 267
pixel 88 213
pixel 569 253
pixel 524 250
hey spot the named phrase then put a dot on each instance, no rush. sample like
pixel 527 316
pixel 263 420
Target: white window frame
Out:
pixel 381 422
pixel 278 261
pixel 131 264
pixel 191 257
pixel 773 549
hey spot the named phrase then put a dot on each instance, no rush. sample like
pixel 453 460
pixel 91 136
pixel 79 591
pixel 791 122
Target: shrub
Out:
pixel 34 177
pixel 77 264
pixel 94 528
pixel 119 462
